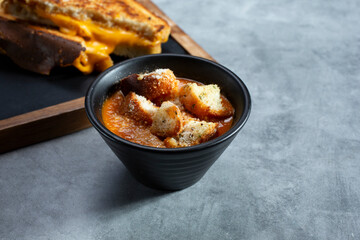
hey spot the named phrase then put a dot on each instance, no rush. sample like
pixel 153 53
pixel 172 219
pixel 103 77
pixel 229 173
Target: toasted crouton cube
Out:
pixel 156 86
pixel 204 101
pixel 159 85
pixel 139 108
pixel 167 120
pixel 194 132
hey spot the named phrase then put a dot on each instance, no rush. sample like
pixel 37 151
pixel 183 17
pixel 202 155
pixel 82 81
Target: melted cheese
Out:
pixel 98 41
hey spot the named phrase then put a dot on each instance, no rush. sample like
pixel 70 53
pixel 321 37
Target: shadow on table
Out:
pixel 123 190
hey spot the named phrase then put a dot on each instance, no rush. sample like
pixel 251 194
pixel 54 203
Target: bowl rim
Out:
pixel 237 126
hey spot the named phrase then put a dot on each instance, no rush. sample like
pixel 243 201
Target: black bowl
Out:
pixel 169 168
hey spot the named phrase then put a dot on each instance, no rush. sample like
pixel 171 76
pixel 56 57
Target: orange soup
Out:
pixel 119 119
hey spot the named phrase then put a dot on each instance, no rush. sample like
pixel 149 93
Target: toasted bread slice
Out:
pixel 156 86
pixel 194 132
pixel 139 108
pixel 35 48
pixel 167 121
pixel 204 101
pixel 120 14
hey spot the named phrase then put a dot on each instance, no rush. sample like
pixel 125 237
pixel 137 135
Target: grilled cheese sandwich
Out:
pixel 121 27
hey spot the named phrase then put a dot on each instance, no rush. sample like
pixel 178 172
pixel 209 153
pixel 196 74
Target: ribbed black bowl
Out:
pixel 176 168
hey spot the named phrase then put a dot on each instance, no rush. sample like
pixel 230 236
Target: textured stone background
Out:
pixel 293 172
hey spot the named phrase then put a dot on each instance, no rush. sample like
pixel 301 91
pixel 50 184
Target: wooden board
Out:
pixel 69 116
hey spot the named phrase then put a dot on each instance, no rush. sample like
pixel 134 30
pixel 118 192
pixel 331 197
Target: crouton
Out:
pixel 167 121
pixel 130 84
pixel 139 108
pixel 156 86
pixel 194 132
pixel 204 101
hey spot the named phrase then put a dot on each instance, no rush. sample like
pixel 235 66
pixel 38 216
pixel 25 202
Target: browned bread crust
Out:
pixel 167 121
pixel 35 48
pixel 204 101
pixel 157 86
pixel 139 108
pixel 194 132
pixel 125 14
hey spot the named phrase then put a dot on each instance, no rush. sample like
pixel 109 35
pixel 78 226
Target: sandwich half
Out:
pixel 93 29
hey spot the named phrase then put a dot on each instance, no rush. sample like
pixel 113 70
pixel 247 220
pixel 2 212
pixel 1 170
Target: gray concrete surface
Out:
pixel 293 172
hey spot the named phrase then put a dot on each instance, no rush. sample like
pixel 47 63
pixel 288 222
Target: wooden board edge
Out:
pixel 43 124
